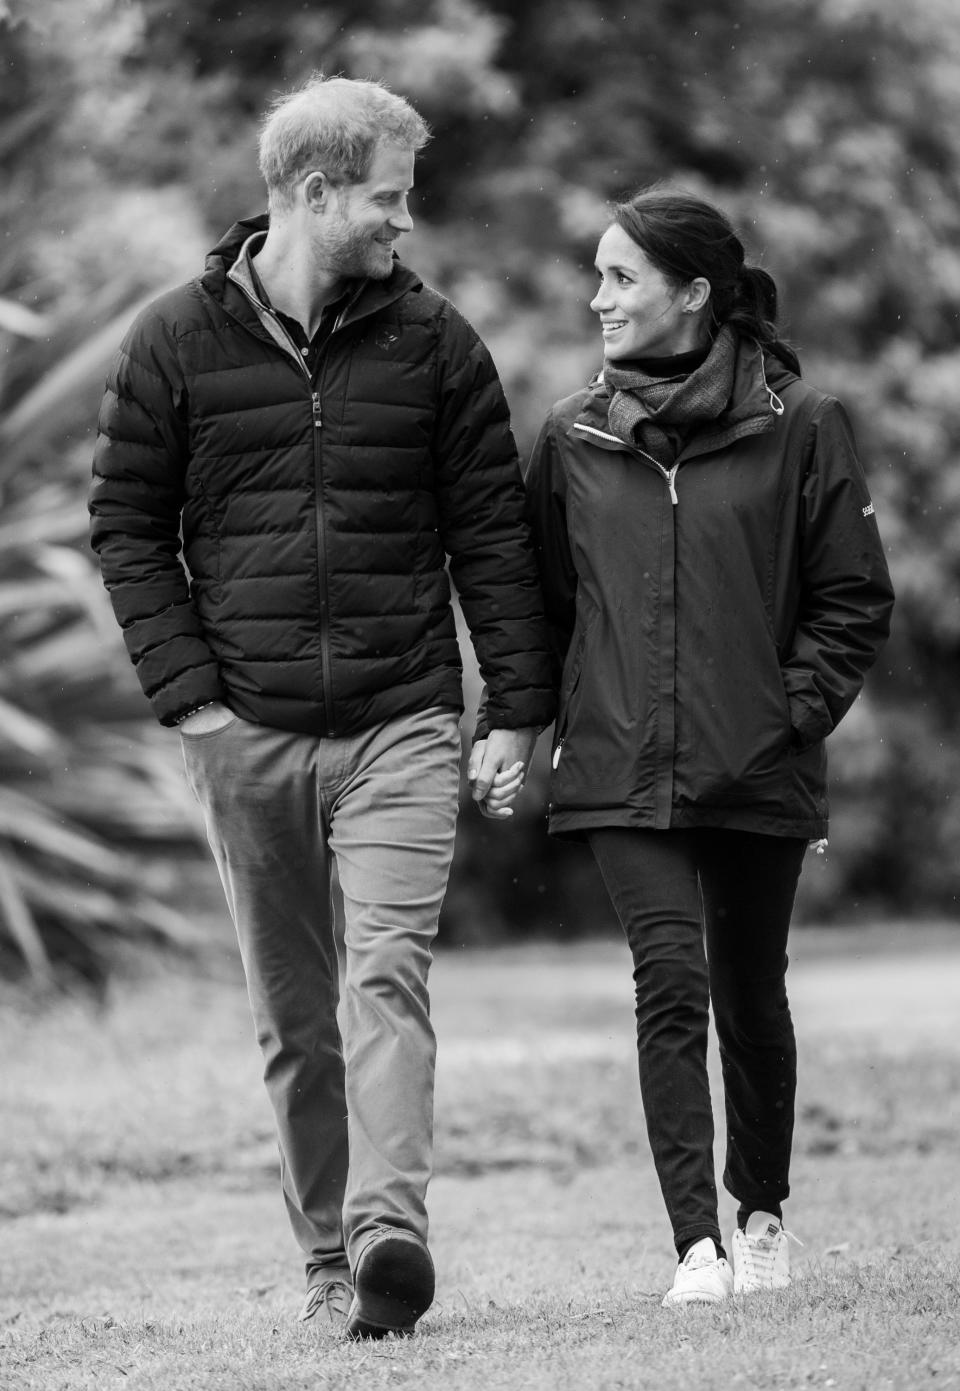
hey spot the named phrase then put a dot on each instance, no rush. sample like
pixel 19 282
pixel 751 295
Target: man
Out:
pixel 327 430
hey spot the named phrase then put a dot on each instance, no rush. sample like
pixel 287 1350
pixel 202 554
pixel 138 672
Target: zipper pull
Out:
pixel 315 400
pixel 556 754
pixel 671 484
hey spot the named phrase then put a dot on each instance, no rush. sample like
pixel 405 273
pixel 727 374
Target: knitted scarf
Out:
pixel 655 414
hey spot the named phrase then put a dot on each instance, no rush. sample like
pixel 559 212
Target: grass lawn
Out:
pixel 143 1241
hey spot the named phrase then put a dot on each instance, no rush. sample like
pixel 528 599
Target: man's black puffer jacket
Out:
pixel 317 515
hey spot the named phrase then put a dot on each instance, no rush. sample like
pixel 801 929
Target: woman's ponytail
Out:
pixel 754 313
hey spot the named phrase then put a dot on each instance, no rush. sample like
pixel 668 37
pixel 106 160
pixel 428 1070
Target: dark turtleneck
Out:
pixel 657 413
pixel 679 365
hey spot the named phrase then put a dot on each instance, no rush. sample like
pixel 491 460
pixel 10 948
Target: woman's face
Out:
pixel 641 313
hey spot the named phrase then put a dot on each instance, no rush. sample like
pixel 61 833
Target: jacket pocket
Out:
pixel 595 751
pixel 733 734
pixel 209 733
pixel 569 683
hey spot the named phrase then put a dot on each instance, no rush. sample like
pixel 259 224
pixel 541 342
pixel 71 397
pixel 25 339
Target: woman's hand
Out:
pixel 497 769
pixel 503 790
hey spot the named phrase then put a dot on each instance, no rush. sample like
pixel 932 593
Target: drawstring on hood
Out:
pixel 776 405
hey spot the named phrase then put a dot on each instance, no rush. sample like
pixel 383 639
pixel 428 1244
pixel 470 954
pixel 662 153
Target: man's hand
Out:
pixel 212 717
pixel 497 769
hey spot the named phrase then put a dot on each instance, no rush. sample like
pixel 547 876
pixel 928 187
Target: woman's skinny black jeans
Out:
pixel 677 892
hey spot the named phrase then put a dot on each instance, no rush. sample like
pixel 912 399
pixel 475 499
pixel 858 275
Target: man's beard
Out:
pixel 356 255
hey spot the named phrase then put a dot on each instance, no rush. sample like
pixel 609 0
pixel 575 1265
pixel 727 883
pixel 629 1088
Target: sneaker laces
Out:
pixel 760 1252
pixel 702 1253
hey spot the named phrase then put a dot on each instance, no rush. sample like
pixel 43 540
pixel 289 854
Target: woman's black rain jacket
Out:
pixel 714 622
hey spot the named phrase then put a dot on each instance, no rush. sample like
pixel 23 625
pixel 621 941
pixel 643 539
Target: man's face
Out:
pixel 366 218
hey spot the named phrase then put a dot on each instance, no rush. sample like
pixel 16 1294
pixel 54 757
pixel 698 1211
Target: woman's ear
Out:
pixel 696 295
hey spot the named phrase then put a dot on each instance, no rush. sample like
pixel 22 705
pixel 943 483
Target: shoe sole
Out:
pixel 393 1287
pixel 680 1301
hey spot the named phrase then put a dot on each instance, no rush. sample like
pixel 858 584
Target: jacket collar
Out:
pixel 220 281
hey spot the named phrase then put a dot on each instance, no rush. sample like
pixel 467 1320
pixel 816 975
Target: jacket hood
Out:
pixel 224 254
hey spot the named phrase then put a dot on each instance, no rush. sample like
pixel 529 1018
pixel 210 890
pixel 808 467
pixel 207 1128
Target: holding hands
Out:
pixel 497 769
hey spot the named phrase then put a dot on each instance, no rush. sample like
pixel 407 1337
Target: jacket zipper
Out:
pixel 323 590
pixel 670 477
pixel 670 474
pixel 323 596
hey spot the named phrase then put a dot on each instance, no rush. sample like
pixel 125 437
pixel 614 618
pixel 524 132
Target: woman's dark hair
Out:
pixel 685 237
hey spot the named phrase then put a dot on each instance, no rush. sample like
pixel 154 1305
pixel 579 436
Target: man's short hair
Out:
pixel 332 124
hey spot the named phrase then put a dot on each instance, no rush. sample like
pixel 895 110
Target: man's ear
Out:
pixel 315 190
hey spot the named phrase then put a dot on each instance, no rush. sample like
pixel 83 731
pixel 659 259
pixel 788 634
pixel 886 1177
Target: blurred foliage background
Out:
pixel 829 130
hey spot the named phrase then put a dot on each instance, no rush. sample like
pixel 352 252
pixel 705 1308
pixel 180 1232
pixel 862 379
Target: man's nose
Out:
pixel 401 219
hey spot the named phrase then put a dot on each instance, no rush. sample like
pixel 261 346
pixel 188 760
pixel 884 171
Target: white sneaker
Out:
pixel 761 1255
pixel 702 1277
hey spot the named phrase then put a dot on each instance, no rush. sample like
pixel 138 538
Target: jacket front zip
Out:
pixel 670 474
pixel 323 588
pixel 323 597
pixel 323 600
pixel 665 750
pixel 323 591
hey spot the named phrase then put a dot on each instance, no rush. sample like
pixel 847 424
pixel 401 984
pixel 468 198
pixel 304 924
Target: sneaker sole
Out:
pixel 679 1301
pixel 393 1287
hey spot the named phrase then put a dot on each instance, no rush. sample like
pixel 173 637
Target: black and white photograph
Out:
pixel 479 737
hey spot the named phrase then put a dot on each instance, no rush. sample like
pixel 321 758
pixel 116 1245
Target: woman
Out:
pixel 717 589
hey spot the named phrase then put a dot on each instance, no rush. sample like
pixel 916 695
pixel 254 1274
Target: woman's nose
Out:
pixel 599 301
